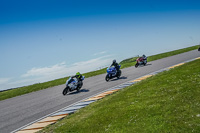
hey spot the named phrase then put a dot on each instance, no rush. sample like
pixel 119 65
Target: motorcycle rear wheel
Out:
pixel 78 89
pixel 65 91
pixel 119 74
pixel 79 86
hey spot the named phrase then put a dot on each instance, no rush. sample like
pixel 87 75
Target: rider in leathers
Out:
pixel 116 65
pixel 144 57
pixel 78 76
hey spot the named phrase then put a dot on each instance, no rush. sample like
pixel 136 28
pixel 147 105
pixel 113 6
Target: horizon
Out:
pixel 71 75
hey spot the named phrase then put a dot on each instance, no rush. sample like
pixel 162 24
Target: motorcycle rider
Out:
pixel 144 57
pixel 78 76
pixel 116 65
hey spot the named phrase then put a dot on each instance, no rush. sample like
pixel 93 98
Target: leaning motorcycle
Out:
pixel 73 84
pixel 141 61
pixel 112 73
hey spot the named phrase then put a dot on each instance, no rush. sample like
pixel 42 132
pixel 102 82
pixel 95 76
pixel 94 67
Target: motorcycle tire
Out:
pixel 79 86
pixel 107 78
pixel 136 65
pixel 119 74
pixel 65 91
pixel 78 89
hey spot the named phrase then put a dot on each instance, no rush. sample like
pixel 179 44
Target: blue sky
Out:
pixel 42 40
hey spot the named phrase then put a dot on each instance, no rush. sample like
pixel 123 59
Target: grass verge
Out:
pixel 125 63
pixel 166 102
pixel 129 62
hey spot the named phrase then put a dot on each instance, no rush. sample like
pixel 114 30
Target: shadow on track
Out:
pixel 115 79
pixel 76 92
pixel 144 66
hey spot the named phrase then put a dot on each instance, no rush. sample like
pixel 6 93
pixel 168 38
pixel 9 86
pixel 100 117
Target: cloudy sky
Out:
pixel 42 40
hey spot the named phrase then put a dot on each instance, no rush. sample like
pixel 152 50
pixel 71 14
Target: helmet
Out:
pixel 78 73
pixel 114 61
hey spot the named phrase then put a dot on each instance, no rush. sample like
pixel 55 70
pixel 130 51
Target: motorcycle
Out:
pixel 73 84
pixel 141 61
pixel 112 73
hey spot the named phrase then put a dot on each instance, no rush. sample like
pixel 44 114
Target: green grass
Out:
pixel 167 102
pixel 125 63
pixel 129 62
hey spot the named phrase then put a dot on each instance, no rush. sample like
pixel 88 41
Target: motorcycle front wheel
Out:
pixel 136 65
pixel 65 91
pixel 107 78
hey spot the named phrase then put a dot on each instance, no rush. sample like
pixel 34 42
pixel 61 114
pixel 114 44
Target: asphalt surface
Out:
pixel 19 111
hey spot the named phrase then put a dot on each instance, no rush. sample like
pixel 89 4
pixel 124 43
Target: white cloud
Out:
pixel 62 70
pixel 91 65
pixel 4 80
pixel 4 83
pixel 46 71
pixel 43 74
pixel 100 53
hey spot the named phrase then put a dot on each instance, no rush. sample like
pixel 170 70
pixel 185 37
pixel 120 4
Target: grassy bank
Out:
pixel 129 62
pixel 167 102
pixel 125 63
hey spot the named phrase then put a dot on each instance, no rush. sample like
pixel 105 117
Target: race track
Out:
pixel 19 111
